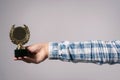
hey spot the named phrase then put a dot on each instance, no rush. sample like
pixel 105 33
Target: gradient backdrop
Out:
pixel 58 20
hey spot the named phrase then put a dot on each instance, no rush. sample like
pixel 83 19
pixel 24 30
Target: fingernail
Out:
pixel 20 58
pixel 25 56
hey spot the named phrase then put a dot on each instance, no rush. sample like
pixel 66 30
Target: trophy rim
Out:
pixel 24 40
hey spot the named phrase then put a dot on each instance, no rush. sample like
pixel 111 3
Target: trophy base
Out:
pixel 21 53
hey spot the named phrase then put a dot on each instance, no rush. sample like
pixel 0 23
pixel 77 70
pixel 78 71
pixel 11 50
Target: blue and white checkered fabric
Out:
pixel 95 51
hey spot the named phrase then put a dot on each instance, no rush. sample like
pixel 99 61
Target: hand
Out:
pixel 39 52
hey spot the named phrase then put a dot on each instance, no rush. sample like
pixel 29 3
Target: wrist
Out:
pixel 47 49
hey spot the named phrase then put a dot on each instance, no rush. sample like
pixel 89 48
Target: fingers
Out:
pixel 19 58
pixel 26 59
pixel 34 48
pixel 31 48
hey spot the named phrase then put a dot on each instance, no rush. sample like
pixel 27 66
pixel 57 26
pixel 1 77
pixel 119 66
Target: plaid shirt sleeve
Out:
pixel 94 51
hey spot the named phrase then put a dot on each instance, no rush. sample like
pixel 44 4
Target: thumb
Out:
pixel 33 48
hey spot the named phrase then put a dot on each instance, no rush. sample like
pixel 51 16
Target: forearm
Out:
pixel 87 51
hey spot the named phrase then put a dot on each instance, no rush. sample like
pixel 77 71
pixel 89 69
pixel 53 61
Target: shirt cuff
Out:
pixel 53 50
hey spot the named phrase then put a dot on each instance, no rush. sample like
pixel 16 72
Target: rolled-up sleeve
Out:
pixel 93 51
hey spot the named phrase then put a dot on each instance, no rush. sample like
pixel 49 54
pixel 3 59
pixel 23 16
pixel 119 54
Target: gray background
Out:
pixel 58 20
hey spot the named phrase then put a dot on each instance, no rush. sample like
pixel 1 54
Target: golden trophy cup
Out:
pixel 20 35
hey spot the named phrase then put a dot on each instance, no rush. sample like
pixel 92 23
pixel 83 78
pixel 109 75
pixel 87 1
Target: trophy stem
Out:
pixel 19 46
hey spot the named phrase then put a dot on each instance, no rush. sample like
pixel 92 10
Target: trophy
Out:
pixel 20 35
